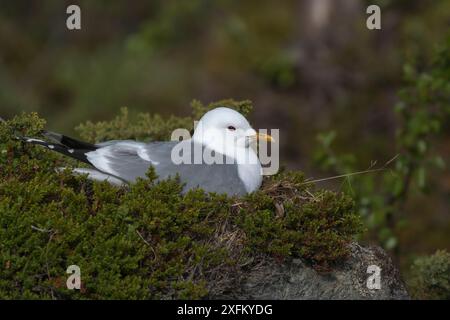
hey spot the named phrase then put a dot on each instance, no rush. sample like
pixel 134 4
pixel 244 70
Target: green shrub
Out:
pixel 423 112
pixel 151 127
pixel 431 276
pixel 149 241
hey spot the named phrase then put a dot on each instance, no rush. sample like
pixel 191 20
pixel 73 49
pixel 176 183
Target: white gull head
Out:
pixel 227 132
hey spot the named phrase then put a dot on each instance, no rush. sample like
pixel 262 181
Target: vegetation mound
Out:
pixel 148 240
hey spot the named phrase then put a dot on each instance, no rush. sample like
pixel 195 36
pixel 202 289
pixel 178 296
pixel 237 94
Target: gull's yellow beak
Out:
pixel 263 136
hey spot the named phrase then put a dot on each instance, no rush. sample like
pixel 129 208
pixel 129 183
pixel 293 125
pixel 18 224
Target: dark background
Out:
pixel 308 66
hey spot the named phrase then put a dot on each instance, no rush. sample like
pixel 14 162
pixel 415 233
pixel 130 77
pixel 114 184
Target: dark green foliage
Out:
pixel 423 111
pixel 149 241
pixel 152 127
pixel 288 219
pixel 431 276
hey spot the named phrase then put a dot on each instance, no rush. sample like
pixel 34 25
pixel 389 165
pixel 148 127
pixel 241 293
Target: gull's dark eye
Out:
pixel 231 128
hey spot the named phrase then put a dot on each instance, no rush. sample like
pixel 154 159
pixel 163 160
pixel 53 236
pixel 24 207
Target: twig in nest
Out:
pixel 147 243
pixel 46 261
pixel 353 173
pixel 311 194
pixel 40 229
pixel 143 239
pixel 279 208
pixel 237 204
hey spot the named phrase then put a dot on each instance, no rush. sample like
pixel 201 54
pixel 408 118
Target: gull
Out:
pixel 218 158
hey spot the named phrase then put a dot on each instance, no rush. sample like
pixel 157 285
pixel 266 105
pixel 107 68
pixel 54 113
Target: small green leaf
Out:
pixel 390 243
pixel 421 177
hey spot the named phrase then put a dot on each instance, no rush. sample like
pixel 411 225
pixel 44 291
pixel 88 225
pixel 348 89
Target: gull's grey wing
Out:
pixel 129 160
pixel 215 177
pixel 121 159
pixel 97 175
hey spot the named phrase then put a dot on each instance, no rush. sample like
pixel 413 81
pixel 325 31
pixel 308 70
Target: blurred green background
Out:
pixel 308 66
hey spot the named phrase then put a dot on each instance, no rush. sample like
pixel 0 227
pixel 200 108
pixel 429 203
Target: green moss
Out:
pixel 431 276
pixel 149 241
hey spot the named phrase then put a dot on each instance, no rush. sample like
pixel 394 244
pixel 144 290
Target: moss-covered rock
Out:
pixel 148 240
pixel 296 280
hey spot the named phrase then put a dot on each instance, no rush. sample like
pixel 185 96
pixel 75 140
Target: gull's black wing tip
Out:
pixel 78 154
pixel 68 141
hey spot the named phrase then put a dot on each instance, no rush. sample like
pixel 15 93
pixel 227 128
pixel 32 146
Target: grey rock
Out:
pixel 294 279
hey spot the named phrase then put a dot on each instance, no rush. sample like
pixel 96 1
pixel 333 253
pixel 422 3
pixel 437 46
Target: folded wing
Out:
pixel 129 160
